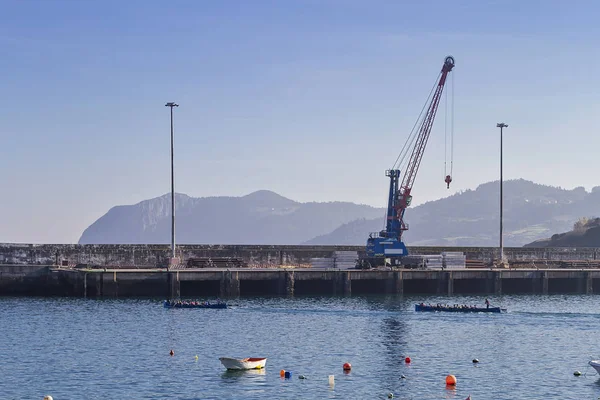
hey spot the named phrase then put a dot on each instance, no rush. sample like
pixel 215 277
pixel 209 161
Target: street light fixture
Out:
pixel 501 125
pixel 171 105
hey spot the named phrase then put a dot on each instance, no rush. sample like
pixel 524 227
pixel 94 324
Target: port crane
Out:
pixel 386 247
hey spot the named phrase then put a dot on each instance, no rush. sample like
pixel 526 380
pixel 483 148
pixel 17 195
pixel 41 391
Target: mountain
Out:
pixel 468 218
pixel 262 217
pixel 585 233
pixel 471 218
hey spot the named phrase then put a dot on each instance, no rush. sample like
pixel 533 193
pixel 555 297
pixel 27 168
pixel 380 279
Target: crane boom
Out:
pixel 419 149
pixel 387 244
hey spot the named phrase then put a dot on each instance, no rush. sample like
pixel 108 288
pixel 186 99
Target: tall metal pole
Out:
pixel 171 105
pixel 501 125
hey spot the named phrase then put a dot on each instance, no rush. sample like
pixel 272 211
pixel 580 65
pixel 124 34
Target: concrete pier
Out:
pixel 289 283
pixel 174 285
pixel 230 284
pixel 589 283
pixel 97 283
pixel 497 277
pixel 450 280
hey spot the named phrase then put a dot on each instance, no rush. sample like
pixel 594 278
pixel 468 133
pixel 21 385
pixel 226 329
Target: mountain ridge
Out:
pixel 471 217
pixel 467 218
pixel 260 217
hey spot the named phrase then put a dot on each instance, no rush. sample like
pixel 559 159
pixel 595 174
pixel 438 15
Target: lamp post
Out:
pixel 171 105
pixel 501 125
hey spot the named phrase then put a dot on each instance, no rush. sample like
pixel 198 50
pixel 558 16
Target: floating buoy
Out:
pixel 475 361
pixel 402 377
pixel 577 373
pixel 390 395
pixel 407 360
pixel 48 397
pixel 196 358
pixel 301 377
pixel 282 373
pixel 347 366
pixel 288 374
pixel 451 380
pixel 172 353
pixel 331 380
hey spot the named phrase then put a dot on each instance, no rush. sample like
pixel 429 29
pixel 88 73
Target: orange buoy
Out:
pixel 171 352
pixel 407 360
pixel 347 366
pixel 451 380
pixel 282 373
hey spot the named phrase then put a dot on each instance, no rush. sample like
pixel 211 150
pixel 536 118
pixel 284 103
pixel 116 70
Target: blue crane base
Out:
pixel 383 251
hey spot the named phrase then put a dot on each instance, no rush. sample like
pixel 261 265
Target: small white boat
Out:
pixel 243 363
pixel 595 364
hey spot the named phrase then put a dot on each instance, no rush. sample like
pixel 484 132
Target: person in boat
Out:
pixel 487 303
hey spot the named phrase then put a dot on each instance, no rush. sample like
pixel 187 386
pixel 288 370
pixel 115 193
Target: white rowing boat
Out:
pixel 595 364
pixel 243 363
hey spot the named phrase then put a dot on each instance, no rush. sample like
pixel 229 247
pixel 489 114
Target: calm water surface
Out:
pixel 119 349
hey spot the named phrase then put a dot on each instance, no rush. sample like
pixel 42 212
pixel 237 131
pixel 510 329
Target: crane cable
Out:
pixel 445 134
pixel 451 131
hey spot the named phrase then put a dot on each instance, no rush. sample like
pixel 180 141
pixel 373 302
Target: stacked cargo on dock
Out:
pixel 339 259
pixel 321 262
pixel 448 259
pixel 455 259
pixel 345 259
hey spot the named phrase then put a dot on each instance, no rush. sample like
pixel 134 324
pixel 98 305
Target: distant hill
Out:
pixel 262 217
pixel 471 218
pixel 585 233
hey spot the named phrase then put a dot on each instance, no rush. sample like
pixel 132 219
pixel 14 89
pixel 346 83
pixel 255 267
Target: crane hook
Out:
pixel 448 180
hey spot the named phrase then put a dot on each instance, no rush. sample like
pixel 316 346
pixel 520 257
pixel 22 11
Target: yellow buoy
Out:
pixel 451 380
pixel 196 357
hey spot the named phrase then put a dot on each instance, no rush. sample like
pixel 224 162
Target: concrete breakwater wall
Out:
pixel 157 256
pixel 208 283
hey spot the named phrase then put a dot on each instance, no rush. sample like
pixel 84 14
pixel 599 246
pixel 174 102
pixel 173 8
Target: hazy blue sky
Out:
pixel 312 99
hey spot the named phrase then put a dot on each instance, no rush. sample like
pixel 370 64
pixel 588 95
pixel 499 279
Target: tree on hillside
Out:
pixel 580 225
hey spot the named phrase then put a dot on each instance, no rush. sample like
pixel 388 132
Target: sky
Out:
pixel 312 99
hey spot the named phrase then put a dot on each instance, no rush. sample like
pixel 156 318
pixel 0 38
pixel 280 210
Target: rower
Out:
pixel 487 303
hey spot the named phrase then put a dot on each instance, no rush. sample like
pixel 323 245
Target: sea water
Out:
pixel 119 349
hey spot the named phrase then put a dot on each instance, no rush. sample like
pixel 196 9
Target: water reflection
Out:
pixel 450 392
pixel 394 339
pixel 249 375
